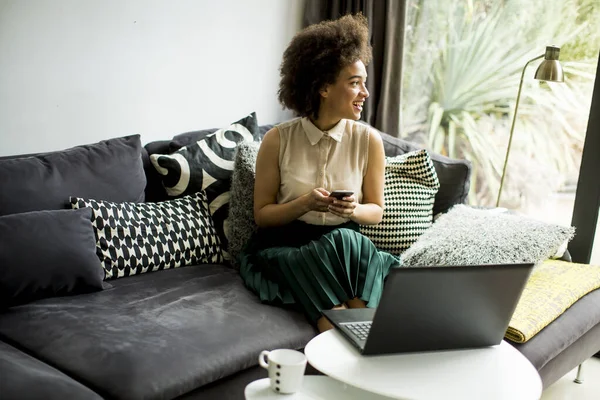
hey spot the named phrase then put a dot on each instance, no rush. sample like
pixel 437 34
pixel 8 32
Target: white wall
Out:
pixel 78 71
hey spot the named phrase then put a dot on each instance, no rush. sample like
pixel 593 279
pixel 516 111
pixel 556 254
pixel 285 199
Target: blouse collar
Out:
pixel 315 134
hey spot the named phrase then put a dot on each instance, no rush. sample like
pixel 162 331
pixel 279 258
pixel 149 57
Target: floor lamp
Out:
pixel 549 70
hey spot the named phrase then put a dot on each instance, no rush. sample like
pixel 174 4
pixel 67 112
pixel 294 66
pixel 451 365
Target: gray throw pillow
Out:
pixel 110 170
pixel 46 254
pixel 241 211
pixel 469 236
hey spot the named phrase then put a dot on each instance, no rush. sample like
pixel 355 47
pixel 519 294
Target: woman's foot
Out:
pixel 323 323
pixel 356 303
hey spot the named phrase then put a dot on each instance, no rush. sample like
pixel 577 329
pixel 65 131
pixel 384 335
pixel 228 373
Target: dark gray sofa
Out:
pixel 195 332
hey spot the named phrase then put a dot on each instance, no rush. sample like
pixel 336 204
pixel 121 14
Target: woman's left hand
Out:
pixel 343 208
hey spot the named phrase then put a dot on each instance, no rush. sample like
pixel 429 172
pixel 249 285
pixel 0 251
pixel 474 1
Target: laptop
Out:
pixel 436 308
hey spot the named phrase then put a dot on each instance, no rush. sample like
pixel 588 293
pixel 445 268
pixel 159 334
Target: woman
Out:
pixel 308 250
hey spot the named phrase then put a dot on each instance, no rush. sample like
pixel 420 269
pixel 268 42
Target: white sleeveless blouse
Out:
pixel 310 158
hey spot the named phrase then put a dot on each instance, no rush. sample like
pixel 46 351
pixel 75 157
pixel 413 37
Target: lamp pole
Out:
pixel 512 128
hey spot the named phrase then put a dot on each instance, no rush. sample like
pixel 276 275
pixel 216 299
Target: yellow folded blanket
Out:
pixel 552 288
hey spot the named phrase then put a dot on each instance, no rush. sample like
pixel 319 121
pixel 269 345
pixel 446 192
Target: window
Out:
pixel 462 65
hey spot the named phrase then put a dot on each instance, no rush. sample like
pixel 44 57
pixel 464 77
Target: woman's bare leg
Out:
pixel 356 303
pixel 323 323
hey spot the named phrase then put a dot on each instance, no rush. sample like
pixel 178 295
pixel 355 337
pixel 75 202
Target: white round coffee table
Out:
pixel 314 387
pixel 491 373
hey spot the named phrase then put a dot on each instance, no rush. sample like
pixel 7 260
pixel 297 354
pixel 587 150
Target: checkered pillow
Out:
pixel 134 238
pixel 409 193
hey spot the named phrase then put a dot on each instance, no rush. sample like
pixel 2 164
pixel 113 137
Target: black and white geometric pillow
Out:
pixel 134 238
pixel 409 193
pixel 207 165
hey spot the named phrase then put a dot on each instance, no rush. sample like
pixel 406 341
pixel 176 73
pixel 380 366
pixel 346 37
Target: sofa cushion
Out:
pixel 207 165
pixel 454 175
pixel 134 238
pixel 565 330
pixel 575 354
pixel 108 170
pixel 156 336
pixel 47 253
pixel 409 193
pixel 467 236
pixel 25 378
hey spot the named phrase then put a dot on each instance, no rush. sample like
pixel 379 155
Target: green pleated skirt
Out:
pixel 314 267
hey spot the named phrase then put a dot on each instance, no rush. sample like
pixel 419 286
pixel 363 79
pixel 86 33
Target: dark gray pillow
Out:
pixel 454 175
pixel 47 253
pixel 469 236
pixel 109 170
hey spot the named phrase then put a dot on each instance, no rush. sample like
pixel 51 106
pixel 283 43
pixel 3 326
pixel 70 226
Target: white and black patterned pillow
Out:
pixel 207 165
pixel 134 238
pixel 409 193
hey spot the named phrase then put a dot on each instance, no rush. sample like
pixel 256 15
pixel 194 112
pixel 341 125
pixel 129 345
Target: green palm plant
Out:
pixel 471 91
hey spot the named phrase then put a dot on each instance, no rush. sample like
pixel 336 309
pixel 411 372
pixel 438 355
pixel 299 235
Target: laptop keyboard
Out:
pixel 359 329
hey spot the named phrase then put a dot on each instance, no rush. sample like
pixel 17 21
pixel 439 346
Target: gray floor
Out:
pixel 566 389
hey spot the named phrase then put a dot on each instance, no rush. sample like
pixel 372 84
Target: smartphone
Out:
pixel 340 194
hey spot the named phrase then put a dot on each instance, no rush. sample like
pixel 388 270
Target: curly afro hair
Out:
pixel 315 57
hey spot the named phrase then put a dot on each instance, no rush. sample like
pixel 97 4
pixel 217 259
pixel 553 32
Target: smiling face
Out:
pixel 345 98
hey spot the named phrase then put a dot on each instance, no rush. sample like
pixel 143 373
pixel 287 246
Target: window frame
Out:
pixel 587 195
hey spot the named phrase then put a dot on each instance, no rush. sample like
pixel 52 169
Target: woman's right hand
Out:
pixel 318 200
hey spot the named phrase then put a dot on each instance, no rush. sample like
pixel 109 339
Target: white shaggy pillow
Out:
pixel 469 236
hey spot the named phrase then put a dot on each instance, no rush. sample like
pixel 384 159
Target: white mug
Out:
pixel 286 369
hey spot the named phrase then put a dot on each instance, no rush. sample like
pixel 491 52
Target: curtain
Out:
pixel 386 25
